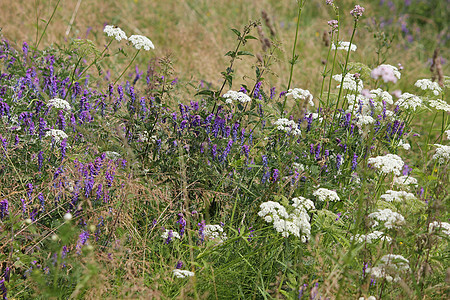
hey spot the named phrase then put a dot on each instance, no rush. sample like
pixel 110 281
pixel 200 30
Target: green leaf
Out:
pixel 236 32
pixel 205 92
pixel 250 37
pixel 230 53
pixel 245 53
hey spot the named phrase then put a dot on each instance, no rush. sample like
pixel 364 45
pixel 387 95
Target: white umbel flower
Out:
pixel 444 226
pixel 57 135
pixel 389 163
pixel 140 41
pixel 324 194
pixel 115 32
pixel 296 223
pixel 175 234
pixel 288 126
pixel 59 103
pixel 407 101
pixel 397 196
pixel 215 232
pixel 364 120
pixel 300 94
pixel 389 267
pixel 390 218
pixel 241 97
pixel 350 83
pixel 440 104
pixel 343 46
pixel 405 181
pixel 182 273
pixel 442 154
pixel 381 95
pixel 371 237
pixel 447 132
pixel 427 84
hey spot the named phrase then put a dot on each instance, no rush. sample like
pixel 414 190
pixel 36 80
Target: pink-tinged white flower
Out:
pixel 334 24
pixel 386 72
pixel 115 32
pixel 140 41
pixel 357 11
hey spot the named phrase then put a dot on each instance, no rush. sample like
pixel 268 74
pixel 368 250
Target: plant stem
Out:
pixel 294 59
pixel 46 25
pixel 127 66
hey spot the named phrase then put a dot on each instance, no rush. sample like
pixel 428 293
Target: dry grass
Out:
pixel 197 34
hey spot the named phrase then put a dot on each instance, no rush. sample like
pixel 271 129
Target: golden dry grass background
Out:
pixel 196 34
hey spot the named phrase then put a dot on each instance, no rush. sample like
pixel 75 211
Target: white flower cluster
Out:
pixel 404 145
pixel 57 135
pixel 343 46
pixel 140 41
pixel 300 94
pixel 381 95
pixel 444 226
pixel 442 154
pixel 447 132
pixel 364 120
pixel 389 163
pixel 397 196
pixel 440 104
pixel 350 83
pixel 407 101
pixel 59 103
pixel 182 273
pixel 371 237
pixel 115 32
pixel 215 232
pixel 323 194
pixel 405 181
pixel 288 126
pixel 143 137
pixel 112 155
pixel 231 96
pixel 390 218
pixel 427 84
pixel 368 298
pixel 296 223
pixel 165 234
pixel 389 267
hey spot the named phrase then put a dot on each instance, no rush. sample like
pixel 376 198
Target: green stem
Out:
pixel 294 59
pixel 343 75
pixel 46 25
pixel 127 66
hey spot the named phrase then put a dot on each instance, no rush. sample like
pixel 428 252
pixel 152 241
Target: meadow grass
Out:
pixel 112 187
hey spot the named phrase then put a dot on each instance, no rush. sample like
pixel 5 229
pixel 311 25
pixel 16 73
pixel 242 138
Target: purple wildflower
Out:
pixel 4 208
